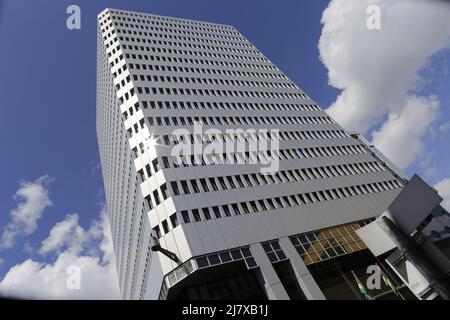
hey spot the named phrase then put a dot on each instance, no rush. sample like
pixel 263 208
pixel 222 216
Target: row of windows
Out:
pixel 150 25
pixel 226 106
pixel 142 47
pixel 259 206
pixel 181 67
pixel 217 61
pixel 225 257
pixel 258 179
pixel 147 24
pixel 184 50
pixel 217 93
pixel 207 51
pixel 245 136
pixel 208 69
pixel 209 92
pixel 182 38
pixel 183 187
pixel 236 121
pixel 213 81
pixel 188 158
pixel 165 21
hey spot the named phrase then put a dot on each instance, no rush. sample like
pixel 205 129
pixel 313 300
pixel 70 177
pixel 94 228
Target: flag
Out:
pixel 388 282
pixel 361 288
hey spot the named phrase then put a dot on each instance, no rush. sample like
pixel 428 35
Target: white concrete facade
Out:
pixel 157 74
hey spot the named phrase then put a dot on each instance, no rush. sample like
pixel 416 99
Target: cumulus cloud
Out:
pixel 378 70
pixel 67 233
pixel 443 188
pixel 90 251
pixel 406 128
pixel 33 199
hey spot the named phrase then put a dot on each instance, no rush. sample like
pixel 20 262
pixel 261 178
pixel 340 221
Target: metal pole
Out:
pixel 410 251
pixel 381 265
pixel 347 281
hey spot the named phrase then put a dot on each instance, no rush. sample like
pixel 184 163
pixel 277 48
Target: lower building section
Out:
pixel 324 264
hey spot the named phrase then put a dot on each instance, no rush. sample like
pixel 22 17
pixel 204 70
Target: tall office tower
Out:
pixel 258 222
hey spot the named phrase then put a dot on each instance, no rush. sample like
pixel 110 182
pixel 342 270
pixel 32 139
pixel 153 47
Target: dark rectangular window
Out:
pixel 213 184
pixel 204 185
pixel 185 187
pixel 196 215
pixel 195 186
pixel 165 226
pixel 206 213
pixel 185 216
pixel 226 210
pixel 174 220
pixel 217 212
pixel 175 189
pixel 155 164
pixel 156 196
pixel 147 169
pixel 148 202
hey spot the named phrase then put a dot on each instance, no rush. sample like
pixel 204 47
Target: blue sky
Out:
pixel 47 83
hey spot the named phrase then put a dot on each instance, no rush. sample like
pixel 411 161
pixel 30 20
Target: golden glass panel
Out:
pixel 348 238
pixel 314 257
pixel 340 239
pixel 324 243
pixel 335 232
pixel 355 226
pixel 354 246
pixel 361 244
pixel 327 233
pixel 307 260
pixel 317 246
pixel 347 248
pixel 348 228
pixel 322 254
pixel 342 230
pixel 355 236
pixel 333 242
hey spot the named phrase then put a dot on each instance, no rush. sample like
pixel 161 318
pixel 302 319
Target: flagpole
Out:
pixel 361 287
pixel 383 268
pixel 348 282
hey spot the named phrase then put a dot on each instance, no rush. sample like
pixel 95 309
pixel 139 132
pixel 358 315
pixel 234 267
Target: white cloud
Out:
pixel 65 233
pixel 443 188
pixel 406 129
pixel 33 198
pixel 378 69
pixel 90 250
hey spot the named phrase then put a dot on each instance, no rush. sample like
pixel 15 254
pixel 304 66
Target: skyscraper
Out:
pixel 210 152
